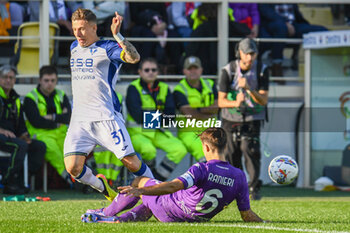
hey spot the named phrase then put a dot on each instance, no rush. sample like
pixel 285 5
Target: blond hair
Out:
pixel 84 14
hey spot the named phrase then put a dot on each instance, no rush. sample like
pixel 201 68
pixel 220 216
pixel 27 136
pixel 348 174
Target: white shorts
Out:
pixel 83 136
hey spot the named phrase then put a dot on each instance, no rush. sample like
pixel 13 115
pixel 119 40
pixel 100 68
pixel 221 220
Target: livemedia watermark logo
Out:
pixel 157 120
pixel 151 120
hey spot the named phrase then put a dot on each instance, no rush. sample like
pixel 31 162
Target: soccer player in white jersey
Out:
pixel 96 117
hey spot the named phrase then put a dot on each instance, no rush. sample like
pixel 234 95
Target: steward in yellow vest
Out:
pixel 144 95
pixel 196 98
pixel 48 112
pixel 14 137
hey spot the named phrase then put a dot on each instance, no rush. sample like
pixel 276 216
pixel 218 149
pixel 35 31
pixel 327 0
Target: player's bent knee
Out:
pixel 74 169
pixel 74 165
pixel 132 163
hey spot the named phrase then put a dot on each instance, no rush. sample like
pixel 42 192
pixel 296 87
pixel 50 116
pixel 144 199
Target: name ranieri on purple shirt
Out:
pixel 209 187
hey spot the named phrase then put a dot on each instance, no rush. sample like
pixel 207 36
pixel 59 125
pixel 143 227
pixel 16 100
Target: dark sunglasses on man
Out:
pixel 149 69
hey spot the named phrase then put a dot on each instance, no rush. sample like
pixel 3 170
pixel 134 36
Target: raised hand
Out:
pixel 116 23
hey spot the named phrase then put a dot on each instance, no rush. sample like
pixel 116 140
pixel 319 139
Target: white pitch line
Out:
pixel 254 227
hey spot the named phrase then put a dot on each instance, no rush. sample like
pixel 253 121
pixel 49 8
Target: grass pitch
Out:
pixel 288 209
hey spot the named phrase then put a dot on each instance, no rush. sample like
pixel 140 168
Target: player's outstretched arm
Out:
pixel 155 190
pixel 250 216
pixel 130 53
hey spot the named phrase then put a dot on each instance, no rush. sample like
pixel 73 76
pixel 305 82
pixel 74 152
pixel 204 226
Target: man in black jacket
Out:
pixel 14 137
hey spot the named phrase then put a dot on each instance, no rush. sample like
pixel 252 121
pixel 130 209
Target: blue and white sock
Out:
pixel 87 177
pixel 144 171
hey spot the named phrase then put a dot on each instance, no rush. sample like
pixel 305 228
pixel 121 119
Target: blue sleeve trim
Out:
pixel 111 81
pixel 142 170
pixel 73 45
pixel 113 51
pixel 82 173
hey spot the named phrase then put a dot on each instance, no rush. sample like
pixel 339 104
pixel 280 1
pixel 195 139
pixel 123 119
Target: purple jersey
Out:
pixel 209 187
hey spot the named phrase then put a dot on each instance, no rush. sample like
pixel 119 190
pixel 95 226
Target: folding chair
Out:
pixel 27 50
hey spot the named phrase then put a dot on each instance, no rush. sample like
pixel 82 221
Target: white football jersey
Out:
pixel 94 75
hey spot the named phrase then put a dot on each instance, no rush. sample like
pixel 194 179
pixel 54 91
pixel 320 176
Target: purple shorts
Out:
pixel 155 204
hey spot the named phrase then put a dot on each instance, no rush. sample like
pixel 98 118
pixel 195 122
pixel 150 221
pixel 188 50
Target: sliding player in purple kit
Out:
pixel 196 196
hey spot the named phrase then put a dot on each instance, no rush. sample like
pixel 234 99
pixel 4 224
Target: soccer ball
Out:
pixel 283 169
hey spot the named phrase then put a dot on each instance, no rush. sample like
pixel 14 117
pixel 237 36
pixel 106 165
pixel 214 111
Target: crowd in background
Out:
pixel 172 19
